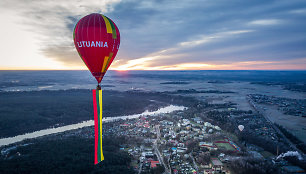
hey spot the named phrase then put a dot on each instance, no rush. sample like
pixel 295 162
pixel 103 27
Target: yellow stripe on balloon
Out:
pixel 108 25
pixel 100 117
pixel 106 61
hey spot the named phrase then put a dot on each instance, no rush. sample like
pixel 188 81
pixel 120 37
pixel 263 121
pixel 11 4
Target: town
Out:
pixel 206 142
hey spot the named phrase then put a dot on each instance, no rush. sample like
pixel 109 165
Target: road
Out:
pixel 261 112
pixel 140 167
pixel 194 163
pixel 159 156
pixel 157 131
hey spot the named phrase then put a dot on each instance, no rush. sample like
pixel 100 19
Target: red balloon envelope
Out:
pixel 97 40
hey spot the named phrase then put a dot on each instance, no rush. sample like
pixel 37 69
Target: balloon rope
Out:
pixel 98 87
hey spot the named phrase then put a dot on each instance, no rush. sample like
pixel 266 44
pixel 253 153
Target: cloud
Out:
pixel 52 23
pixel 136 63
pixel 206 39
pixel 159 34
pixel 265 22
pixel 299 11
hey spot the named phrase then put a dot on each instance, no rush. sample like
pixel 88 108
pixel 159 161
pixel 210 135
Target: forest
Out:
pixel 23 112
pixel 70 155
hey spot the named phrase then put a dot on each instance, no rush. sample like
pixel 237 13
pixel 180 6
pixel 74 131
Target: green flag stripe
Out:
pixel 98 111
pixel 113 28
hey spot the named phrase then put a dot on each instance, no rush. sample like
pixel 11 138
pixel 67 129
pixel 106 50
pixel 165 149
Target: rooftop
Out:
pixel 216 162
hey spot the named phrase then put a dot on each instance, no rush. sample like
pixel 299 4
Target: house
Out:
pixel 174 149
pixel 146 125
pixel 196 130
pixel 208 171
pixel 197 119
pixel 166 151
pixel 216 164
pixel 149 155
pixel 173 142
pixel 210 131
pixel 181 150
pixel 184 132
pixel 181 145
pixel 143 118
pixel 207 124
pixel 208 145
pixel 154 164
pixel 185 122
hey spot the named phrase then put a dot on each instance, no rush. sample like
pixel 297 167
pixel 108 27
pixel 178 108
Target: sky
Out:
pixel 159 34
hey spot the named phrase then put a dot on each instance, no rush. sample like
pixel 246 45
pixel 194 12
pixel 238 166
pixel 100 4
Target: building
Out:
pixel 207 145
pixel 154 164
pixel 216 164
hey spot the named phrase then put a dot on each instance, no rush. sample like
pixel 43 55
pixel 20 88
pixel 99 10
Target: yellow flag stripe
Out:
pixel 100 117
pixel 108 25
pixel 105 65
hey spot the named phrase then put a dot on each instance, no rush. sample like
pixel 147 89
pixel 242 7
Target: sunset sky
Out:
pixel 160 34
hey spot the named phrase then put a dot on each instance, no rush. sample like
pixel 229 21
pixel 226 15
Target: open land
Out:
pixel 203 138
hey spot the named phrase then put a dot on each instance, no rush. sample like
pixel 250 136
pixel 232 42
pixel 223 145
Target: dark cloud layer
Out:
pixel 178 31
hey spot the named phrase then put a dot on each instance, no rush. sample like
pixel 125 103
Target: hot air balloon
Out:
pixel 241 127
pixel 97 39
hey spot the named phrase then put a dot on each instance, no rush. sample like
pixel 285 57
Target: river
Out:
pixel 18 138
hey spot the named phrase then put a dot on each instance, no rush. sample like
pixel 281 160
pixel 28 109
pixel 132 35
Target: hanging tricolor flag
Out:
pixel 97 104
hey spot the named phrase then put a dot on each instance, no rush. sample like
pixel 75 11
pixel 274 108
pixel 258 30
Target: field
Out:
pixel 224 145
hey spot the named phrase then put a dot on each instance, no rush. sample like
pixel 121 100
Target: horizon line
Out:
pixel 157 70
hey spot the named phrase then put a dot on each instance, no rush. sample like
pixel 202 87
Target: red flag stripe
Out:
pixel 96 125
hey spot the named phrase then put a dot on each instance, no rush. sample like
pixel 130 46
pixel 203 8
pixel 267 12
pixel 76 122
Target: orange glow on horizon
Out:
pixel 247 65
pixel 144 64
